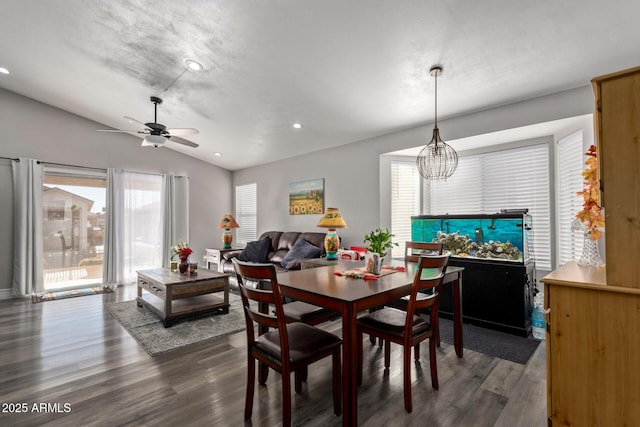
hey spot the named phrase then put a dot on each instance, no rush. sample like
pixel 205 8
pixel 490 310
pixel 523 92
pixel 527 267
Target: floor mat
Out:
pixel 50 296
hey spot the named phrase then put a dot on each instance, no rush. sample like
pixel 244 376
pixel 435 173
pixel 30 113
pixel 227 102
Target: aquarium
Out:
pixel 505 236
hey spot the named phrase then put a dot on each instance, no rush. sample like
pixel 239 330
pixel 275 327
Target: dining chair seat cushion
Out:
pixel 392 321
pixel 300 311
pixel 305 341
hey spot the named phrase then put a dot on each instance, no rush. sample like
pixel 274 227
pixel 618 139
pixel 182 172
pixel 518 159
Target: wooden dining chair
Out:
pixel 284 347
pixel 412 253
pixel 406 328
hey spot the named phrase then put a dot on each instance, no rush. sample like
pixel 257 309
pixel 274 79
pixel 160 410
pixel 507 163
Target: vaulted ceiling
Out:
pixel 346 69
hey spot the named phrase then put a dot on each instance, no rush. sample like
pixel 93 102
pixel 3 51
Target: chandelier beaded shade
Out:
pixel 437 160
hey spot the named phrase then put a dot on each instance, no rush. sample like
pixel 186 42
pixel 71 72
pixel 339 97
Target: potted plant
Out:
pixel 379 242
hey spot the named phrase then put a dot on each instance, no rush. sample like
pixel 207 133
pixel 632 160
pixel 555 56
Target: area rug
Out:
pixel 494 343
pixel 147 328
pixel 50 296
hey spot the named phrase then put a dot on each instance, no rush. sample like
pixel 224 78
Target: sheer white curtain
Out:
pixel 113 271
pixel 27 234
pixel 175 202
pixel 146 215
pixel 142 218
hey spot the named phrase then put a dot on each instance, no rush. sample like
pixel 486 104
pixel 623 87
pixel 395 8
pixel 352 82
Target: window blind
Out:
pixel 486 183
pixel 405 202
pixel 246 213
pixel 569 180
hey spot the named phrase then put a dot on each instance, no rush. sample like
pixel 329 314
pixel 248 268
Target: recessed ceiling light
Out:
pixel 193 65
pixel 297 125
pixel 217 154
pixel 4 70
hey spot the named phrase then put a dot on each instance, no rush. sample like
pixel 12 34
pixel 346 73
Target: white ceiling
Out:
pixel 347 69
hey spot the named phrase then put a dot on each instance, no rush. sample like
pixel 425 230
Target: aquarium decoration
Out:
pixel 460 245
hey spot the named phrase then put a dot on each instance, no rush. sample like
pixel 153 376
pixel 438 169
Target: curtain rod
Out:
pixel 40 162
pixel 71 166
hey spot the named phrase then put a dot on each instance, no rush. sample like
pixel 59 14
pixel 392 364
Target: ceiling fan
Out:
pixel 156 134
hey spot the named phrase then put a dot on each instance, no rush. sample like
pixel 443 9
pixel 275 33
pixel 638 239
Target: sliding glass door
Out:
pixel 73 228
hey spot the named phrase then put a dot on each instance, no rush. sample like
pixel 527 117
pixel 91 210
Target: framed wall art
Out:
pixel 306 197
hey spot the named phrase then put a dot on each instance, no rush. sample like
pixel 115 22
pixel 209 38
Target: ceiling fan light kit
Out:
pixel 157 134
pixel 437 160
pixel 193 65
pixel 154 141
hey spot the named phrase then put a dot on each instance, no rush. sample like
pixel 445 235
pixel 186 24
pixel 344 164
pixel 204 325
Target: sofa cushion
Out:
pixel 257 251
pixel 315 238
pixel 275 239
pixel 301 249
pixel 285 243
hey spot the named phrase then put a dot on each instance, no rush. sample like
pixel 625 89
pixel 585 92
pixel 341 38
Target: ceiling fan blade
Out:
pixel 182 131
pixel 132 120
pixel 122 131
pixel 183 141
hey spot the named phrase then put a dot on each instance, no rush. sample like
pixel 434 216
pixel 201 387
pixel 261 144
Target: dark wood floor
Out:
pixel 73 352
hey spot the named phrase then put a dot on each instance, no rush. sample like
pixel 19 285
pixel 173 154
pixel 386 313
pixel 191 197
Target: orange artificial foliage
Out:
pixel 591 213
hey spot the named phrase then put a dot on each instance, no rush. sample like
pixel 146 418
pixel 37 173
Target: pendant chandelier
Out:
pixel 437 160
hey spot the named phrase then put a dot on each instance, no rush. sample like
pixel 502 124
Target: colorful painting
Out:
pixel 306 197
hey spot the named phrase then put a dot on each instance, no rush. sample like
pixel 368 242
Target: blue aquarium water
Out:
pixel 500 236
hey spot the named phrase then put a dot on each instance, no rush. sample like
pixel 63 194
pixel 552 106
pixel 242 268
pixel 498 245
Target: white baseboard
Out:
pixel 6 294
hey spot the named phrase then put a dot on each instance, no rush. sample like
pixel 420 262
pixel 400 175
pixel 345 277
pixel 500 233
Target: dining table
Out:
pixel 349 296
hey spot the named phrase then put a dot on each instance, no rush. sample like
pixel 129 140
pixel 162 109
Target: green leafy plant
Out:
pixel 380 241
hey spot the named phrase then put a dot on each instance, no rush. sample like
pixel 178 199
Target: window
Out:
pixel 570 165
pixel 73 201
pixel 405 202
pixel 515 178
pixel 246 213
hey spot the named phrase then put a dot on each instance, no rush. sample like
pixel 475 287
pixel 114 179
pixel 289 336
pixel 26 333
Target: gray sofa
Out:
pixel 281 244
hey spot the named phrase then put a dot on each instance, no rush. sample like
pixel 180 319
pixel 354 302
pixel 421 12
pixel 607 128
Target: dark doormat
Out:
pixel 494 343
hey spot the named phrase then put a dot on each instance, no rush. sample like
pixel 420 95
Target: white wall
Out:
pixel 352 172
pixel 32 129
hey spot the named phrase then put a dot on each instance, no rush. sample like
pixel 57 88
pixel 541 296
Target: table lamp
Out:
pixel 228 222
pixel 332 219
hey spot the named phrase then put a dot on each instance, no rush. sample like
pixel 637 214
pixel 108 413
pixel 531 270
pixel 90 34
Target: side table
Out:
pixel 214 256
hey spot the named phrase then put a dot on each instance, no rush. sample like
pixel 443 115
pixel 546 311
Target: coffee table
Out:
pixel 174 296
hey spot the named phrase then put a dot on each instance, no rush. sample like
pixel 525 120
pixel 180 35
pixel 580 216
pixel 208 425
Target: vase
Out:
pixel 590 252
pixel 373 263
pixel 183 267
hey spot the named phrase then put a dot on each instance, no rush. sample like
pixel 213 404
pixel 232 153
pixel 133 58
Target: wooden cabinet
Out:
pixel 617 121
pixel 593 349
pixel 593 321
pixel 497 294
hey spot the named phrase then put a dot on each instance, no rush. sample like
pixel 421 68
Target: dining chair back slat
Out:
pixel 413 250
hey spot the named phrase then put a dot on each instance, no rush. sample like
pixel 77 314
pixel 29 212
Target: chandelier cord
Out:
pixel 436 101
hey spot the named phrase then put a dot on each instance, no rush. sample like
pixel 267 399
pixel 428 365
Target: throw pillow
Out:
pixel 301 249
pixel 257 251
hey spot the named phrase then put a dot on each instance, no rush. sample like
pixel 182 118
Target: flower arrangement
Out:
pixel 181 250
pixel 591 213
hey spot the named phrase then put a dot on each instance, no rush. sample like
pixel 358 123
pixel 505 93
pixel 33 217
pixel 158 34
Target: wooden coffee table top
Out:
pixel 168 277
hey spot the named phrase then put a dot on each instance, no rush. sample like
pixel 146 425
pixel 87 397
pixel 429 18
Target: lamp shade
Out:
pixel 332 218
pixel 228 222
